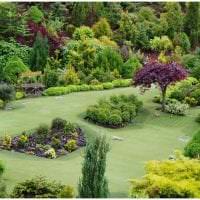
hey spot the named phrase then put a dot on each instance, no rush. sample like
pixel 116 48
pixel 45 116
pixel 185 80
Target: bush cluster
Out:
pixel 56 91
pixel 115 112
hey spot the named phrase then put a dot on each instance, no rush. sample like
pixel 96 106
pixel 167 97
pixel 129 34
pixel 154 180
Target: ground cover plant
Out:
pixel 116 112
pixel 61 138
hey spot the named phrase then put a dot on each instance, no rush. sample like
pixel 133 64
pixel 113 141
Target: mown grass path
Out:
pixel 150 137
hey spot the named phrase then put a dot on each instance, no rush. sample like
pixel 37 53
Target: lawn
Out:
pixel 150 137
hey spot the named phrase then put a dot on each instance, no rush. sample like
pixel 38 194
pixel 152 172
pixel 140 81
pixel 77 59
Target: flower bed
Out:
pixel 60 139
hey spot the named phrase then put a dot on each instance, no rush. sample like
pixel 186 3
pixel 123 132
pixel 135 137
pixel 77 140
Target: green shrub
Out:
pixel 42 131
pixel 96 87
pixel 19 95
pixel 115 112
pixel 107 85
pixel 67 192
pixel 7 142
pixel 191 101
pixel 38 187
pixel 23 139
pixel 162 43
pixel 14 67
pixel 177 108
pixel 35 14
pixel 69 127
pixel 130 67
pixel 71 77
pixel 196 95
pixel 192 149
pixel 55 143
pixel 58 124
pixel 50 77
pixel 82 33
pixel 71 145
pixel 7 93
pixel 50 153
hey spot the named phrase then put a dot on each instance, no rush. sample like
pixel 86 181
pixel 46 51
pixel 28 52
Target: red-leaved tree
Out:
pixel 161 74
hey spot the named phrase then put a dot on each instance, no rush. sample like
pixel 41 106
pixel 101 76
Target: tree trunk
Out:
pixel 163 99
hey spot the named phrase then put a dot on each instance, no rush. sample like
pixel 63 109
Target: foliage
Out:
pixel 182 40
pixel 161 74
pixel 51 77
pixel 58 124
pixel 35 14
pixel 82 33
pixel 93 183
pixel 191 25
pixel 7 92
pixel 192 149
pixel 71 77
pixel 13 69
pixel 56 91
pixel 174 18
pixel 39 53
pixel 38 187
pixel 177 108
pixel 50 153
pixel 115 112
pixel 71 145
pixel 168 179
pixel 67 192
pixel 109 59
pixel 19 95
pixel 1 104
pixel 102 28
pixel 162 43
pixel 130 67
pixel 7 142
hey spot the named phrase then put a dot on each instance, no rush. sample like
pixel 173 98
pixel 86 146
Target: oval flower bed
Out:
pixel 115 112
pixel 60 139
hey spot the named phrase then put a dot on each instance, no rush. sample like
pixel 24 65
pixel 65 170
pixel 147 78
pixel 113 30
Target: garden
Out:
pixel 110 85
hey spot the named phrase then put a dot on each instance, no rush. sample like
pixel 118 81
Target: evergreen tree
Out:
pixel 93 183
pixel 192 22
pixel 39 53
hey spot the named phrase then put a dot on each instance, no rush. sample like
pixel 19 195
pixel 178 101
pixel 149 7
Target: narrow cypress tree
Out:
pixel 192 23
pixel 39 53
pixel 93 183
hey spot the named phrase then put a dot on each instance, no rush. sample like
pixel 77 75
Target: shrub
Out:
pixel 192 149
pixel 7 142
pixel 55 143
pixel 115 112
pixel 168 179
pixel 42 131
pixel 177 108
pixel 71 77
pixel 71 145
pixel 23 139
pixel 50 153
pixel 182 40
pixel 50 77
pixel 82 33
pixel 130 67
pixel 162 43
pixel 107 85
pixel 96 87
pixel 102 28
pixel 191 101
pixel 69 127
pixel 58 124
pixel 7 93
pixel 19 95
pixel 67 192
pixel 14 67
pixel 35 14
pixel 38 187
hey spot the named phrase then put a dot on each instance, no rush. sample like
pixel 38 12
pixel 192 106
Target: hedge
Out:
pixel 56 91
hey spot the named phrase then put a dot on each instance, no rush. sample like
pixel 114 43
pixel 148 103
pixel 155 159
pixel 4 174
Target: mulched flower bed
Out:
pixel 60 139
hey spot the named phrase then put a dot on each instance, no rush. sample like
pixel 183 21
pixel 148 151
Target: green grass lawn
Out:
pixel 150 137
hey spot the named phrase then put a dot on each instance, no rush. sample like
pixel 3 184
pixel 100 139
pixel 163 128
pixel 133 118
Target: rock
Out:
pixel 117 138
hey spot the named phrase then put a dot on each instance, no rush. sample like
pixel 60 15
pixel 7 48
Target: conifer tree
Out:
pixel 39 53
pixel 93 183
pixel 192 22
